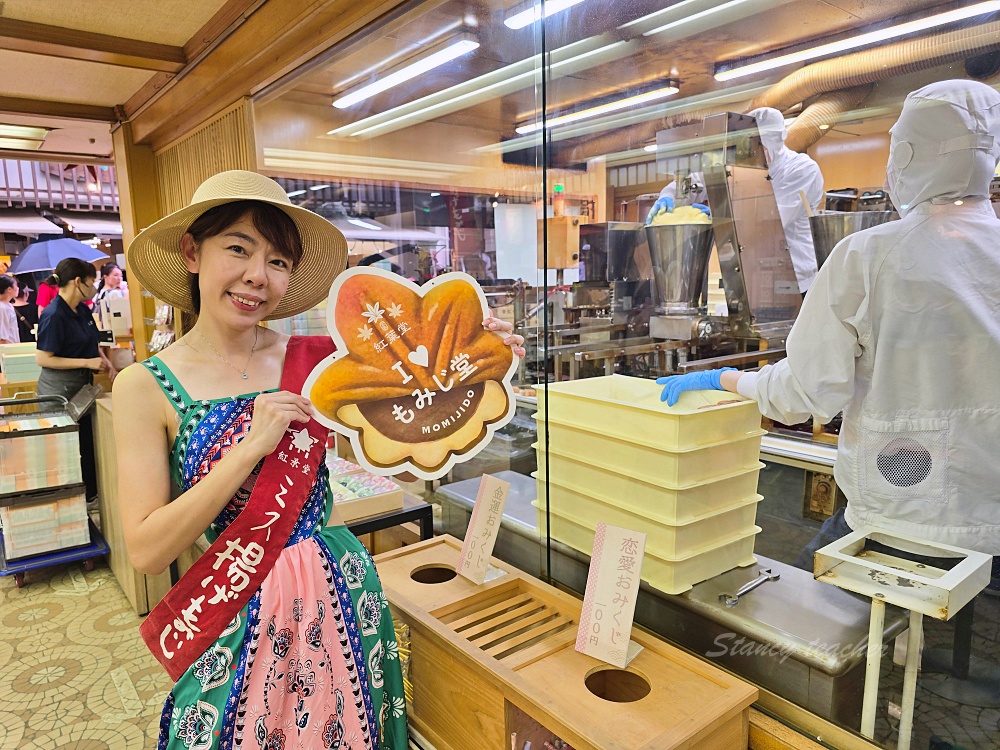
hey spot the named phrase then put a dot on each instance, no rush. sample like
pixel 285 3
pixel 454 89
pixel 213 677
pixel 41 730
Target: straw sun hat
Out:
pixel 155 254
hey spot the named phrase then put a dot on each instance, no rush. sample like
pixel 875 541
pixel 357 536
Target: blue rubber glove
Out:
pixel 704 209
pixel 663 204
pixel 675 385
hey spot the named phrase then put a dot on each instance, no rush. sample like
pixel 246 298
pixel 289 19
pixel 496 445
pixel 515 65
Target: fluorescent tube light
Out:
pixel 435 195
pixel 21 144
pixel 651 148
pixel 442 56
pixel 319 187
pixel 295 192
pixel 365 224
pixel 686 19
pixel 534 13
pixel 861 40
pixel 29 132
pixel 601 109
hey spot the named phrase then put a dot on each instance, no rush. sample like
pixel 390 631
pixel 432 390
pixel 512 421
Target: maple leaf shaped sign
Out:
pixel 417 384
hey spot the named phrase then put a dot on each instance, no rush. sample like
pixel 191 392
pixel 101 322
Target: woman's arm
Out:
pixel 52 362
pixel 157 530
pixel 107 367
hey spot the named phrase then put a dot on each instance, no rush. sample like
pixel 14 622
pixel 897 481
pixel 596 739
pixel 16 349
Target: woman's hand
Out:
pixel 272 415
pixel 95 363
pixel 511 339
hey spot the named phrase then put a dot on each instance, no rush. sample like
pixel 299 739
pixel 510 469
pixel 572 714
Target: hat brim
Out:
pixel 155 258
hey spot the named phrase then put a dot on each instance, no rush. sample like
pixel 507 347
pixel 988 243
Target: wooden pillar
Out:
pixel 140 207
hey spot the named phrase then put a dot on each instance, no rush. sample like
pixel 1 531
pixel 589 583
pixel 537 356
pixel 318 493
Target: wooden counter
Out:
pixel 143 591
pixel 497 659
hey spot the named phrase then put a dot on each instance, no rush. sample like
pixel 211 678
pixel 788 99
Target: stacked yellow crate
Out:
pixel 685 475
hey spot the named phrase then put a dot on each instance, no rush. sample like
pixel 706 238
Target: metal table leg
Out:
pixel 875 628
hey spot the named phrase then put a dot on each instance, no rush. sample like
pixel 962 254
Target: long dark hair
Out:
pixel 273 224
pixel 105 270
pixel 69 269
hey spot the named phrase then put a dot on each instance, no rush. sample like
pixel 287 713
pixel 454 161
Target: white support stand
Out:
pixel 919 588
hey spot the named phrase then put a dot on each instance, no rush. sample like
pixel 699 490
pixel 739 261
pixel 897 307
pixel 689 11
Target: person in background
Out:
pixel 792 175
pixel 901 331
pixel 112 283
pixel 68 350
pixel 26 310
pixel 9 332
pixel 668 197
pixel 46 293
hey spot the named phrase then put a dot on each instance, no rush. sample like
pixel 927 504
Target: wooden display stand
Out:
pixel 493 660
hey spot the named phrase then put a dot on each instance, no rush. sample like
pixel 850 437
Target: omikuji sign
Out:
pixel 417 384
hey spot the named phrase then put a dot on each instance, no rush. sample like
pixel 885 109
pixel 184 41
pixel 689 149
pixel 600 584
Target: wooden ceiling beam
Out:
pixel 272 40
pixel 70 44
pixel 18 106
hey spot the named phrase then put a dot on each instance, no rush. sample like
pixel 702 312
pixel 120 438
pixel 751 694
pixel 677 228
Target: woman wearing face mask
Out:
pixel 68 350
pixel 901 331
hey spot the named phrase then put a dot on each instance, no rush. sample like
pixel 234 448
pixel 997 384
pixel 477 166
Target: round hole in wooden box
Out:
pixel 617 685
pixel 433 574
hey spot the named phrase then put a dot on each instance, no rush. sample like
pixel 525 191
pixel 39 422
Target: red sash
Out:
pixel 199 607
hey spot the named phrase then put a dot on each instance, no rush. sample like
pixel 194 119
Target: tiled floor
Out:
pixel 74 674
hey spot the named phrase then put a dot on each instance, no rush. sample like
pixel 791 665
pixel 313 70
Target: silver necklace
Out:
pixel 242 372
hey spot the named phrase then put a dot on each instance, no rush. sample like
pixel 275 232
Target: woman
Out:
pixel 26 311
pixel 68 350
pixel 310 660
pixel 112 284
pixel 901 332
pixel 9 333
pixel 47 291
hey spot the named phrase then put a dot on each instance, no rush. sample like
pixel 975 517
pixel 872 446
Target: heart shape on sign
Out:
pixel 418 356
pixel 417 383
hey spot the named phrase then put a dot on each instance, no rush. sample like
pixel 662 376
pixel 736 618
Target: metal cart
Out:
pixel 49 418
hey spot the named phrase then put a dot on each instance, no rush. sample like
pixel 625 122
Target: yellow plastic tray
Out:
pixel 651 463
pixel 671 576
pixel 630 409
pixel 666 539
pixel 671 505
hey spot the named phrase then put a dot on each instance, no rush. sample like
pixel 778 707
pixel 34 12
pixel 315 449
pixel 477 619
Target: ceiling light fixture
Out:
pixel 455 47
pixel 685 19
pixel 435 195
pixel 295 192
pixel 21 144
pixel 365 224
pixel 650 149
pixel 533 14
pixel 601 109
pixel 29 132
pixel 319 187
pixel 724 73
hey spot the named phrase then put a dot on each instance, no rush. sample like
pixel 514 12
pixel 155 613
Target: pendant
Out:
pixel 244 376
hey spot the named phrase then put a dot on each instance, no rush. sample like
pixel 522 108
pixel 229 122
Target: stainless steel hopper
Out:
pixel 680 255
pixel 830 227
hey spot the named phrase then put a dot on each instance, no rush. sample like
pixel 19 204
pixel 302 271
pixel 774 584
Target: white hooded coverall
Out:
pixel 791 174
pixel 901 331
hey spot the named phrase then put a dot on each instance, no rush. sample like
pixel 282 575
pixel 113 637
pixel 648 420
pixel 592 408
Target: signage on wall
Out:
pixel 609 603
pixel 416 384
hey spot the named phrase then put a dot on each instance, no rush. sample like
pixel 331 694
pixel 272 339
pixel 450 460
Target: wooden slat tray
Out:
pixel 491 660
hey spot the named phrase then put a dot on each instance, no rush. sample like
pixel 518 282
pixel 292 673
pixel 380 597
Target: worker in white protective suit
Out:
pixel 792 175
pixel 667 199
pixel 901 331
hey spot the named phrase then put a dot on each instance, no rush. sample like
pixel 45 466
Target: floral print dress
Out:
pixel 312 660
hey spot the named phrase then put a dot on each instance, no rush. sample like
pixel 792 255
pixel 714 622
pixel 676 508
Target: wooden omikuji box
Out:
pixel 496 659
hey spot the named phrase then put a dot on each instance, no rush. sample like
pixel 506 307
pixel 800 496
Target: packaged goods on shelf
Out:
pixel 364 494
pixel 38 452
pixel 341 466
pixel 18 362
pixel 45 522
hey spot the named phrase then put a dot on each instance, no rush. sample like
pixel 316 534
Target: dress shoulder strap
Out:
pixel 169 383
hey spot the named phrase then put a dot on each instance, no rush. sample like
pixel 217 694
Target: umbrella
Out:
pixel 45 256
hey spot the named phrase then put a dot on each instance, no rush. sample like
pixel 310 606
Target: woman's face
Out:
pixel 241 276
pixel 114 279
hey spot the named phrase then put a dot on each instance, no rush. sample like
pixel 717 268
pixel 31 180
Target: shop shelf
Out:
pixel 630 409
pixel 671 504
pixel 663 537
pixel 650 462
pixel 671 575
